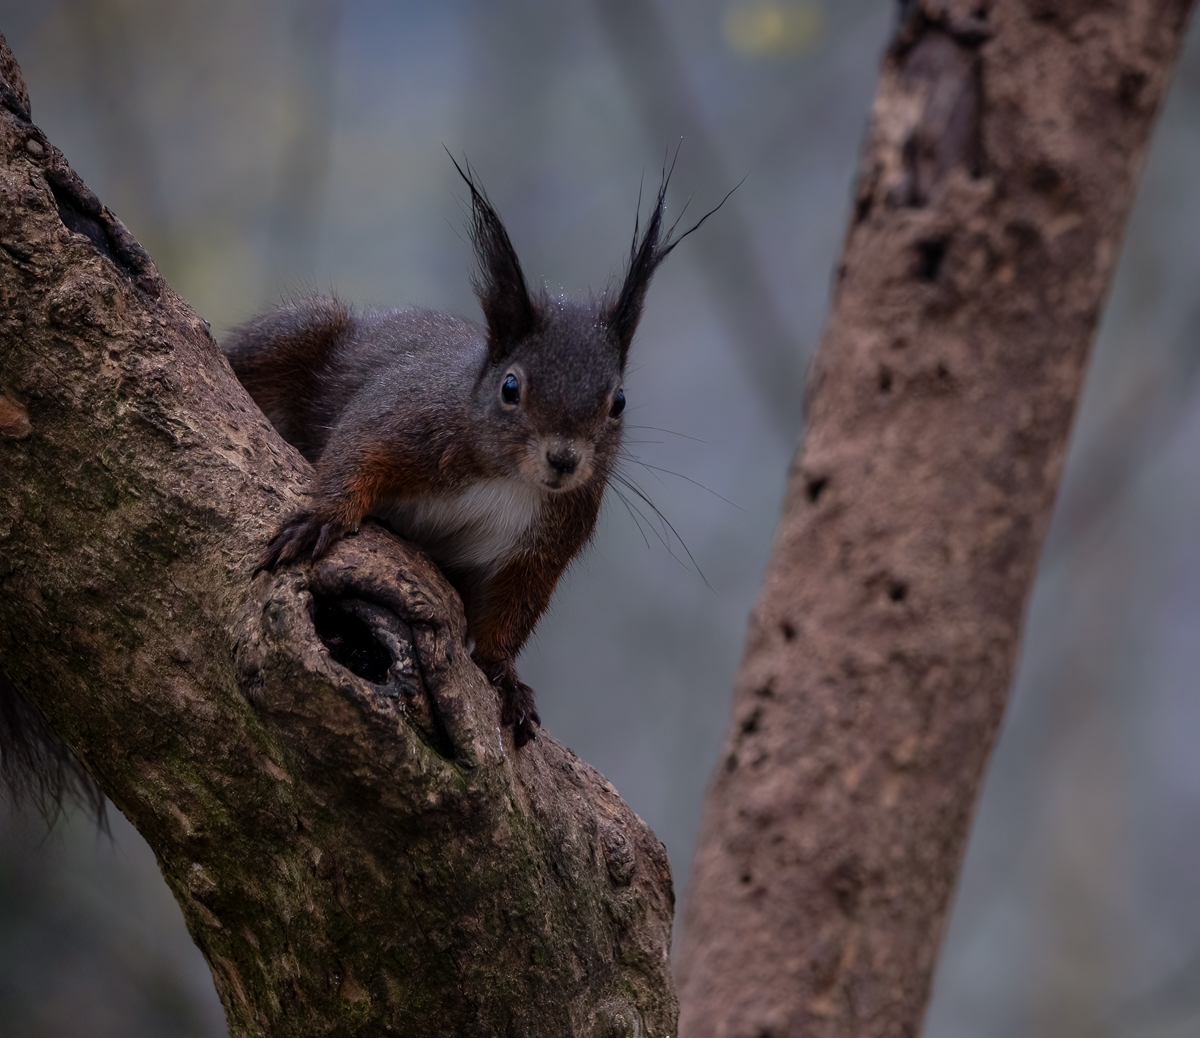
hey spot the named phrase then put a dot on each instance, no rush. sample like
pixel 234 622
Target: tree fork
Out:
pixel 1004 147
pixel 313 757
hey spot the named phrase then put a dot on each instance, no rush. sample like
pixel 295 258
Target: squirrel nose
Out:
pixel 563 459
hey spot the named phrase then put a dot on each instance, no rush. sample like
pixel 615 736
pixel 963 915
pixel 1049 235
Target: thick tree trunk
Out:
pixel 357 848
pixel 1005 143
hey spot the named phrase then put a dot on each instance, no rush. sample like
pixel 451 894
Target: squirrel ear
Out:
pixel 622 313
pixel 499 282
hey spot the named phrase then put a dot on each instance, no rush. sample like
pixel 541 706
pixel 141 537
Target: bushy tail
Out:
pixel 36 766
pixel 280 357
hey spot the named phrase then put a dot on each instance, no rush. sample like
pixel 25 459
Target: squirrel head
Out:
pixel 551 387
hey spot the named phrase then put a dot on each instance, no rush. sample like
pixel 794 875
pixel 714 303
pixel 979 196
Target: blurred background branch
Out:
pixel 726 254
pixel 105 37
pixel 298 204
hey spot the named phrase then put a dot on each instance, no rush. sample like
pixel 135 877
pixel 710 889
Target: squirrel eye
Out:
pixel 618 404
pixel 510 390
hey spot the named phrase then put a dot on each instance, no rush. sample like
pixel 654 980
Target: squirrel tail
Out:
pixel 36 766
pixel 280 357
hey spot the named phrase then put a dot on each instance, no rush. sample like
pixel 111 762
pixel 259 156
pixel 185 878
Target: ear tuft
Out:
pixel 499 283
pixel 623 312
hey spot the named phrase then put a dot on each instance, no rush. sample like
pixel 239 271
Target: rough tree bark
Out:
pixel 312 755
pixel 1004 147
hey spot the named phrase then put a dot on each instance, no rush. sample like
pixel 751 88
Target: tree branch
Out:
pixel 1004 147
pixel 315 760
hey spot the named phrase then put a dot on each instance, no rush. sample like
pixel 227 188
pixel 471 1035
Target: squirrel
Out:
pixel 489 446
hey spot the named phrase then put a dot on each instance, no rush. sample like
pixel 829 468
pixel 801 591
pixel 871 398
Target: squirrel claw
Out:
pixel 296 537
pixel 516 704
pixel 524 733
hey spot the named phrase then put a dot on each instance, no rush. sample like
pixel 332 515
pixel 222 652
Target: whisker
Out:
pixel 648 468
pixel 625 502
pixel 654 469
pixel 653 529
pixel 672 432
pixel 639 493
pixel 680 475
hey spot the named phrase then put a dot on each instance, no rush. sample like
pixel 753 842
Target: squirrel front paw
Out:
pixel 302 533
pixel 516 702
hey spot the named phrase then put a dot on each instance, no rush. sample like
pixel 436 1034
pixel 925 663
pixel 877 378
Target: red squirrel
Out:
pixel 488 446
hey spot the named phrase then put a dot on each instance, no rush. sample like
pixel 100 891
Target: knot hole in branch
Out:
pixel 372 642
pixel 350 640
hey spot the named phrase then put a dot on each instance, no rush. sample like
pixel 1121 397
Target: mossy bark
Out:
pixel 357 848
pixel 999 168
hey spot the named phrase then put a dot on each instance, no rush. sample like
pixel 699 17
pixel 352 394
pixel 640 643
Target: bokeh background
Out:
pixel 261 147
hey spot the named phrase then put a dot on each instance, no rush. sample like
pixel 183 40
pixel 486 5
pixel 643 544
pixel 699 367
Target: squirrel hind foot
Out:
pixel 517 709
pixel 525 732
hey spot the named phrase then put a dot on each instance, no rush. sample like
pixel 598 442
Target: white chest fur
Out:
pixel 481 527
